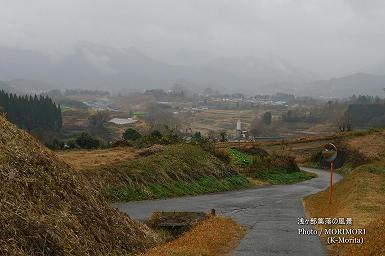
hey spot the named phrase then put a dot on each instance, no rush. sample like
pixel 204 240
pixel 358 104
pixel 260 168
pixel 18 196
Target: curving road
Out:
pixel 269 213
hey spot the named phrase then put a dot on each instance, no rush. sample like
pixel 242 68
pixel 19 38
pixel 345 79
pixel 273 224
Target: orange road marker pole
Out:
pixel 331 182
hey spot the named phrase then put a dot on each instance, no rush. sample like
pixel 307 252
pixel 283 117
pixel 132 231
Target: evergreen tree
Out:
pixel 30 113
pixel 267 118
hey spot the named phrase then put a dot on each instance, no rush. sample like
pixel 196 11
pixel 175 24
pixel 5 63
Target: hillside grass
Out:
pixel 281 176
pixel 360 195
pixel 177 170
pixel 203 185
pixel 87 159
pixel 240 158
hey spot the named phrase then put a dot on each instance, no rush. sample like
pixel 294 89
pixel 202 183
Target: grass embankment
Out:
pixel 271 168
pixel 360 196
pixel 45 209
pixel 206 184
pixel 212 237
pixel 176 170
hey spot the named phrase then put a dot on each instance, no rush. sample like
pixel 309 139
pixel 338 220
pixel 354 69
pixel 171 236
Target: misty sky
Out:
pixel 327 37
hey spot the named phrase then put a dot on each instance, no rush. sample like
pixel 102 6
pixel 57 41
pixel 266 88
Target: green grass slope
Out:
pixel 271 168
pixel 177 170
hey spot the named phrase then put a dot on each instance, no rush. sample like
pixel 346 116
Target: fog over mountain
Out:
pixel 341 87
pixel 95 66
pixel 249 46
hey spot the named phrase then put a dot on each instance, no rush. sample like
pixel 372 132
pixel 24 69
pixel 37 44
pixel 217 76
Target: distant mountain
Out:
pixel 251 75
pixel 92 66
pixel 359 83
pixel 378 68
pixel 89 66
pixel 22 86
pixel 4 86
pixel 99 67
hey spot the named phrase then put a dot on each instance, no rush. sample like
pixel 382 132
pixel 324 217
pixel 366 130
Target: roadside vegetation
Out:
pixel 360 195
pixel 272 168
pixel 206 184
pixel 46 209
pixel 214 236
pixel 178 169
pixel 84 159
pixel 165 171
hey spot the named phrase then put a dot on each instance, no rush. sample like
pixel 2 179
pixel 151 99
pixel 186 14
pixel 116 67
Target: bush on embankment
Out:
pixel 271 168
pixel 278 169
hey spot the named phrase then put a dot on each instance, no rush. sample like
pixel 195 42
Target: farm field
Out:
pixel 215 119
pixel 90 159
pixel 225 120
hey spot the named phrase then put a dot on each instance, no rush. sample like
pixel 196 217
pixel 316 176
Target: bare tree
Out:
pixel 159 117
pixel 97 120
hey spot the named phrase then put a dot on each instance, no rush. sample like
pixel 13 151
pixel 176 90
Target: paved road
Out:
pixel 269 214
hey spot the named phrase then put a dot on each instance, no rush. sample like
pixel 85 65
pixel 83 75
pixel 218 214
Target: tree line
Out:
pixel 31 112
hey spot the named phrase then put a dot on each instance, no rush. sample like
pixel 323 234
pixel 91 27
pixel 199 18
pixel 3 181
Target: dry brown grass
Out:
pixel 266 144
pixel 46 209
pixel 371 146
pixel 360 196
pixel 211 237
pixel 136 102
pixel 75 119
pixel 89 159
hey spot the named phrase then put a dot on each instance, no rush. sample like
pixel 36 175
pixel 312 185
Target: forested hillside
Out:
pixel 31 112
pixel 366 115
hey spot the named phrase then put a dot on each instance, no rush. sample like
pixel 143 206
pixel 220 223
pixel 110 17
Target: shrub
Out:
pixel 156 133
pixel 71 144
pixel 151 150
pixel 85 140
pixel 239 158
pixel 98 119
pixel 273 163
pixel 56 144
pixel 254 150
pixel 345 154
pixel 222 154
pixel 223 136
pixel 156 138
pixel 316 157
pixel 131 134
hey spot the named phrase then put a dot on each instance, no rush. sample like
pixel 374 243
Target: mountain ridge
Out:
pixel 92 66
